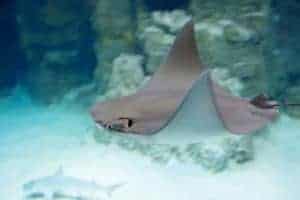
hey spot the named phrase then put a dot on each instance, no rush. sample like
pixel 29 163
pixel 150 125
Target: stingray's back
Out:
pixel 153 105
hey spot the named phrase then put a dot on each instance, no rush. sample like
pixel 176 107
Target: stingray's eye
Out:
pixel 127 122
pixel 130 122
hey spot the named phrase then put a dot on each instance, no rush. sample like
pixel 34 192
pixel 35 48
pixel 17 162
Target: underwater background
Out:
pixel 57 58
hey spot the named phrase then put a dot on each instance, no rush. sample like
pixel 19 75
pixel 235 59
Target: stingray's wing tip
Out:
pixel 189 25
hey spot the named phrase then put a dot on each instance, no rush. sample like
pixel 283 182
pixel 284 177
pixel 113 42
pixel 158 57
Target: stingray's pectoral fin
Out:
pixel 264 102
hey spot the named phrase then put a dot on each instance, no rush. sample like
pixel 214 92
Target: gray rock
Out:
pixel 214 154
pixel 239 148
pixel 224 78
pixel 127 75
pixel 256 20
pixel 237 34
pixel 281 51
pixel 244 70
pixel 54 36
pixel 242 59
pixel 128 144
pixel 230 33
pixel 211 157
pixel 156 46
pixel 115 34
pixel 173 20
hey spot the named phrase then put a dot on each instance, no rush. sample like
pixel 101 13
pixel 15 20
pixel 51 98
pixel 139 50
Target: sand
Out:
pixel 36 141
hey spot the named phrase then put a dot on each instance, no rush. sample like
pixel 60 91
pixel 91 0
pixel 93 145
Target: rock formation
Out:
pixel 57 40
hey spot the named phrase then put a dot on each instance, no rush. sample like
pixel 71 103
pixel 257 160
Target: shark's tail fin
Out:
pixel 113 188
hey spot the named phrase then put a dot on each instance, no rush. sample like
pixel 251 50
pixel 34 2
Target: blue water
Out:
pixel 42 131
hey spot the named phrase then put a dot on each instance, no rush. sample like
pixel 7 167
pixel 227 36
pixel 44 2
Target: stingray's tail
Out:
pixel 111 189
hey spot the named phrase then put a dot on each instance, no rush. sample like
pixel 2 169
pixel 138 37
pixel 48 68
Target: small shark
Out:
pixel 59 186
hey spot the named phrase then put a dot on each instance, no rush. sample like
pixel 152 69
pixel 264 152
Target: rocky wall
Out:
pixel 12 63
pixel 225 41
pixel 114 23
pixel 282 51
pixel 57 40
pixel 231 35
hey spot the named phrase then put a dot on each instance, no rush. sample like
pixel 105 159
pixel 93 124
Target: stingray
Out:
pixel 182 98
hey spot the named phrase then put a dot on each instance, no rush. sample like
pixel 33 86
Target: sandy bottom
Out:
pixel 36 141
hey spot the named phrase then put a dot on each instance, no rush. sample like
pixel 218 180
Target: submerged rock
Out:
pixel 214 155
pixel 127 75
pixel 84 95
pixel 225 79
pixel 128 144
pixel 173 20
pixel 232 9
pixel 159 153
pixel 12 65
pixel 239 148
pixel 224 41
pixel 234 33
pixel 114 24
pixel 236 53
pixel 230 33
pixel 211 157
pixel 157 32
pixel 57 40
pixel 281 51
pixel 156 46
pixel 127 71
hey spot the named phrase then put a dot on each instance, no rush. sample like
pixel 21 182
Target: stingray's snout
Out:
pixel 101 118
pixel 97 118
pixel 120 124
